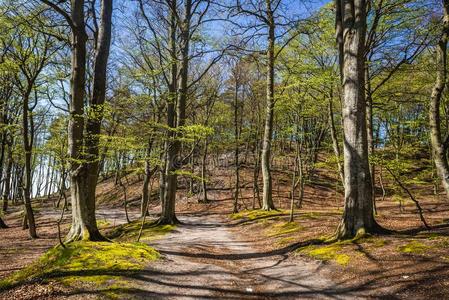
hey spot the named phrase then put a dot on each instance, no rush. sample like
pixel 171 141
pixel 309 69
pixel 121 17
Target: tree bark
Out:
pixel 203 171
pixel 370 132
pixel 358 215
pixel 236 142
pixel 146 181
pixel 267 196
pixel 28 148
pixel 173 163
pixel 7 182
pixel 84 168
pixel 439 147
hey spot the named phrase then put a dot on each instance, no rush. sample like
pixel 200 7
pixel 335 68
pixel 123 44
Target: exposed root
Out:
pixel 343 234
pixel 173 220
pixel 79 234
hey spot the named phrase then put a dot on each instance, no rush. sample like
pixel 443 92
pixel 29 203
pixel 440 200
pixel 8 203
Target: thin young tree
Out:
pixel 272 17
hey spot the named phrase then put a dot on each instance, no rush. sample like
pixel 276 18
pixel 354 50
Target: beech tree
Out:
pixel 84 130
pixel 358 215
pixel 31 54
pixel 440 146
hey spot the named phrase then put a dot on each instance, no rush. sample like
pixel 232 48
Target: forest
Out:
pixel 224 149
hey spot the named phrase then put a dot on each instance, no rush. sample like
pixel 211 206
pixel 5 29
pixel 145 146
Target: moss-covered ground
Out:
pixel 257 214
pixel 100 265
pixel 328 252
pixel 129 232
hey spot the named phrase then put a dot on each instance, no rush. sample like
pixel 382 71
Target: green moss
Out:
pixel 257 214
pixel 283 228
pixel 309 215
pixel 441 239
pixel 327 253
pixel 342 259
pixel 101 224
pixel 374 241
pixel 286 241
pixel 130 232
pixel 97 262
pixel 434 236
pixel 414 247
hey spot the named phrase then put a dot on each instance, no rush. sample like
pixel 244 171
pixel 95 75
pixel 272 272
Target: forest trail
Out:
pixel 204 258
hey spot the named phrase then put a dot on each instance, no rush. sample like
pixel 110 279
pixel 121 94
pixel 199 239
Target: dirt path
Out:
pixel 204 258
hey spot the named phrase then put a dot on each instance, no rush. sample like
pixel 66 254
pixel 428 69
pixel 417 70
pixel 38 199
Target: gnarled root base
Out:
pixel 268 207
pixel 343 233
pixel 79 233
pixel 163 220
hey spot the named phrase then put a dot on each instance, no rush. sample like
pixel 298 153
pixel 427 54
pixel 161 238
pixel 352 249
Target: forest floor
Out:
pixel 253 254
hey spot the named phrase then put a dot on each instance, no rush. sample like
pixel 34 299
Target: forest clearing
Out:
pixel 224 149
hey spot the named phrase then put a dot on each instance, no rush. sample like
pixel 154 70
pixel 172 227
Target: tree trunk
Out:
pixel 439 147
pixel 203 171
pixel 146 181
pixel 173 163
pixel 28 148
pixel 84 175
pixel 358 211
pixel 335 144
pixel 236 144
pixel 370 132
pixel 267 197
pixel 7 182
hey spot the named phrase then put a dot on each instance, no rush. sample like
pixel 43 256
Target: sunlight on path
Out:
pixel 204 259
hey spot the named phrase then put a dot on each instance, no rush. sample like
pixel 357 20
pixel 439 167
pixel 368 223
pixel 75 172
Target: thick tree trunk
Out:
pixel 84 174
pixel 267 197
pixel 173 162
pixel 439 147
pixel 358 211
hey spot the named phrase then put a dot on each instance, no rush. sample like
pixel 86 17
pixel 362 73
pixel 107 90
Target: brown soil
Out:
pixel 213 256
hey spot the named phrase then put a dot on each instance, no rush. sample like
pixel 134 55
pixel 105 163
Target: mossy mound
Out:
pixel 283 228
pixel 130 232
pixel 325 253
pixel 414 247
pixel 257 214
pixel 93 262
